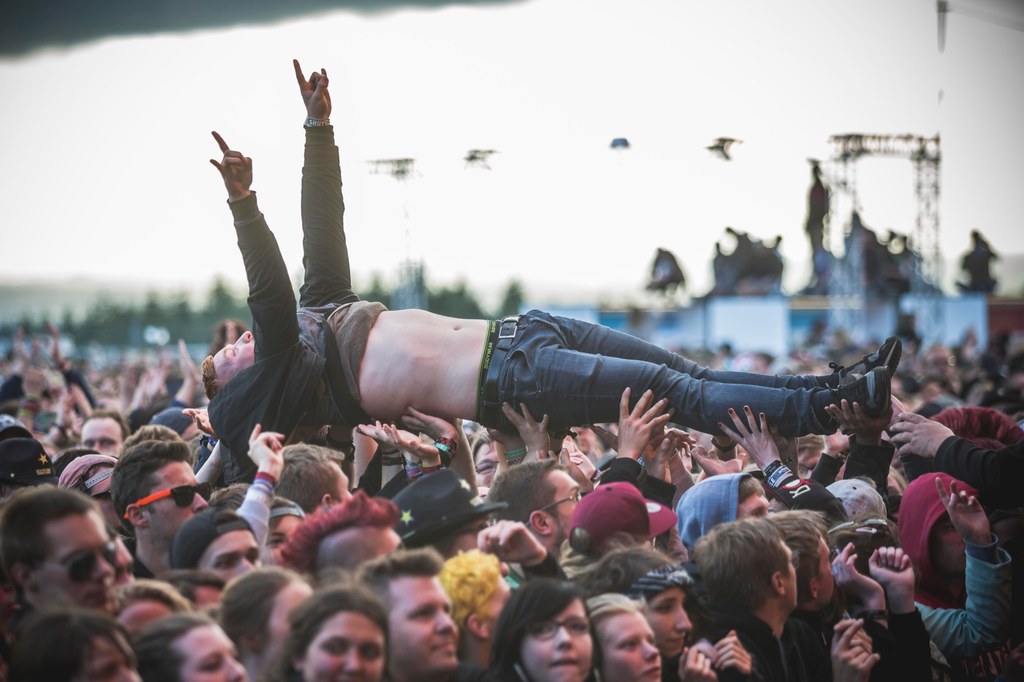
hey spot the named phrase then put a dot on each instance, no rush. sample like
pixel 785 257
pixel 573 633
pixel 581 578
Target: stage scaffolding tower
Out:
pixel 848 286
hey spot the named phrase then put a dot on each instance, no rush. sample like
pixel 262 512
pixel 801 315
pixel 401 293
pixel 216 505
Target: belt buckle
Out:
pixel 513 320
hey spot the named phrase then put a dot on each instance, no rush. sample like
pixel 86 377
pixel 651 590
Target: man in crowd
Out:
pixel 541 495
pixel 752 588
pixel 216 540
pixel 311 478
pixel 419 617
pixel 155 493
pixel 57 550
pixel 357 530
pixel 105 431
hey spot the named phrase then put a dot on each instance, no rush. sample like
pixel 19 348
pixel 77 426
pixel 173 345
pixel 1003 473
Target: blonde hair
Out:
pixel 470 579
pixel 209 377
pixel 604 606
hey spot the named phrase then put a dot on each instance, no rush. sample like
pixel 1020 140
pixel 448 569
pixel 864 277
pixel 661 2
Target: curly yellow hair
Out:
pixel 470 579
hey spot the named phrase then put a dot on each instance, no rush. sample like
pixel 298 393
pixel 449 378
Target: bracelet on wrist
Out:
pixel 431 469
pixel 445 444
pixel 873 614
pixel 515 456
pixel 723 448
pixel 316 122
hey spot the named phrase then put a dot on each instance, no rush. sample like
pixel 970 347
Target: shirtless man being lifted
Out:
pixel 340 360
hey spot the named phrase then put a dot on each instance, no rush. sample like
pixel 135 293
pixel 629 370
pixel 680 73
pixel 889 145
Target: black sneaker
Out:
pixel 888 356
pixel 872 391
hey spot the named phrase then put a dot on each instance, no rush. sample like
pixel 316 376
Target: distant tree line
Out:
pixel 109 323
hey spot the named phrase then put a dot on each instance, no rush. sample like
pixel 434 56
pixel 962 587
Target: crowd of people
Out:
pixel 344 492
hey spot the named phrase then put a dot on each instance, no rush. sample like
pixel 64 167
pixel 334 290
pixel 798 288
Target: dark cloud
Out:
pixel 29 25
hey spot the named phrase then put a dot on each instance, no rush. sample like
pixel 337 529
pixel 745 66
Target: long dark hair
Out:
pixel 538 601
pixel 56 645
pixel 310 616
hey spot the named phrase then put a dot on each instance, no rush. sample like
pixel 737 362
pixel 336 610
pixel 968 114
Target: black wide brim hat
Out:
pixel 23 461
pixel 436 504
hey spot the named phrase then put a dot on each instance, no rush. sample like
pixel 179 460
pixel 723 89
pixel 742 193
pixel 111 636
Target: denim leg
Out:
pixel 575 373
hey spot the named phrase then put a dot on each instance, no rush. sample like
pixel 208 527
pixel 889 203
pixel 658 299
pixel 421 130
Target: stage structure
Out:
pixel 847 289
pixel 411 291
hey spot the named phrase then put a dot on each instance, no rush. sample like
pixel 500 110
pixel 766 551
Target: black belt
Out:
pixel 499 343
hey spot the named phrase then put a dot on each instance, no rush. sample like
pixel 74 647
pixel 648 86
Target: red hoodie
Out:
pixel 920 510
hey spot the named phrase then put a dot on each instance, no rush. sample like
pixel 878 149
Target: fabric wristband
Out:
pixel 515 456
pixel 873 614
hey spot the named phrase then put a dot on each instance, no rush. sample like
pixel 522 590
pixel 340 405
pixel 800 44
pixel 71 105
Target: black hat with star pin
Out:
pixel 24 462
pixel 437 504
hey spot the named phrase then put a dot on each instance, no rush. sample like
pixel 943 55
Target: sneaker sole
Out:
pixel 876 410
pixel 892 359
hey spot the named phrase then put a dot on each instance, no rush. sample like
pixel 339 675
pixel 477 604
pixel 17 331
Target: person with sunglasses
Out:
pixel 155 493
pixel 57 551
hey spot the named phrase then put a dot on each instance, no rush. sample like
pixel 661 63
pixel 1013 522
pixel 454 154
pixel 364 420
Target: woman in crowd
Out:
pixel 543 635
pixel 254 613
pixel 338 633
pixel 187 647
pixel 624 649
pixel 144 601
pixel 73 644
pixel 662 587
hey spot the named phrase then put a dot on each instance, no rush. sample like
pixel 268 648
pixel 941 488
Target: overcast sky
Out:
pixel 104 169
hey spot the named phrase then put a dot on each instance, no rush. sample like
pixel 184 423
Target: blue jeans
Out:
pixel 575 372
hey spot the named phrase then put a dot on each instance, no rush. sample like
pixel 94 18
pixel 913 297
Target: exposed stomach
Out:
pixel 418 359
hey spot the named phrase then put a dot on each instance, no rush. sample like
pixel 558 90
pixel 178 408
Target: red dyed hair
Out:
pixel 986 427
pixel 359 511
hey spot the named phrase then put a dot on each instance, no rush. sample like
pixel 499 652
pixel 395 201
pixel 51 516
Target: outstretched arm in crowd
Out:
pixel 869 455
pixel 996 474
pixel 327 276
pixel 265 452
pixel 449 439
pixel 639 428
pixel 908 657
pixel 754 435
pixel 271 300
pixel 986 620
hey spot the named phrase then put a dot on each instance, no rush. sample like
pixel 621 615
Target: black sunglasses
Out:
pixel 82 565
pixel 183 495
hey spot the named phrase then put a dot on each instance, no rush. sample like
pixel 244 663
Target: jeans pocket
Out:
pixel 520 381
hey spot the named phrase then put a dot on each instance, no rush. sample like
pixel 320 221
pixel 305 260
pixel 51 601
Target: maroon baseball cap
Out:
pixel 619 508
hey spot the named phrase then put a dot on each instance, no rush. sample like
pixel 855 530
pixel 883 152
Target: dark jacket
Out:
pixel 286 385
pixel 773 659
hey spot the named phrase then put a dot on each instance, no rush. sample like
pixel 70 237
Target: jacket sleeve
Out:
pixel 325 257
pixel 904 649
pixel 801 493
pixel 985 623
pixel 271 299
pixel 826 470
pixel 996 474
pixel 871 461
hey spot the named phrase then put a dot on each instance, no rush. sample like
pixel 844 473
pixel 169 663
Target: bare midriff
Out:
pixel 418 359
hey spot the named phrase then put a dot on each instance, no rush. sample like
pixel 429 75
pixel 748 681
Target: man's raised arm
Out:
pixel 271 299
pixel 324 251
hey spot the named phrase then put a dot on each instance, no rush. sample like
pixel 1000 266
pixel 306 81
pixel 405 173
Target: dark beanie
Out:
pixel 199 532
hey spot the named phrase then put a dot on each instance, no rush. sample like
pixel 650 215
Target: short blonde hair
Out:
pixel 209 377
pixel 470 579
pixel 604 606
